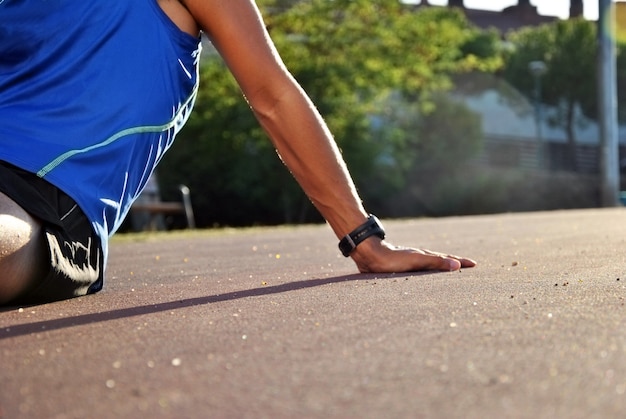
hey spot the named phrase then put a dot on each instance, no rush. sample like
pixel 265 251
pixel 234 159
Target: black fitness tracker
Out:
pixel 372 227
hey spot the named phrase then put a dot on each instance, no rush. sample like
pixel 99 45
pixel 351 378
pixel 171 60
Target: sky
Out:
pixel 558 8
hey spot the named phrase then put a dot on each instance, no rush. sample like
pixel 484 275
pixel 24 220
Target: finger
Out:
pixel 425 260
pixel 464 262
pixel 442 263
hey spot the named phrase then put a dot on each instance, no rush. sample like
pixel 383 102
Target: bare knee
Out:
pixel 22 250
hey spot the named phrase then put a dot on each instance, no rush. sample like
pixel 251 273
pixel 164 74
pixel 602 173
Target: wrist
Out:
pixel 371 227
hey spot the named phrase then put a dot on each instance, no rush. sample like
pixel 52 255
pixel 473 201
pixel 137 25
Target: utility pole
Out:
pixel 607 101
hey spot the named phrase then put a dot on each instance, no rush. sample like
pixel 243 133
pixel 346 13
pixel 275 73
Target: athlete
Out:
pixel 91 96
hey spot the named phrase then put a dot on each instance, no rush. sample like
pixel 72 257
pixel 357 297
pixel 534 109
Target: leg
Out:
pixel 23 253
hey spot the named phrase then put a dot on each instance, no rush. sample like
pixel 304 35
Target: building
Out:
pixel 510 18
pixel 511 136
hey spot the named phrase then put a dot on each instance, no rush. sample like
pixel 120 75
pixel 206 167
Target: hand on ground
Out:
pixel 375 255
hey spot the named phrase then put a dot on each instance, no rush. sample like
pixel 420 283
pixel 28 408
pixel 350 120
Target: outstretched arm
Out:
pixel 299 134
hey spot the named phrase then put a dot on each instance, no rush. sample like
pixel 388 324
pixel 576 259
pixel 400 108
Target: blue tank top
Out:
pixel 92 93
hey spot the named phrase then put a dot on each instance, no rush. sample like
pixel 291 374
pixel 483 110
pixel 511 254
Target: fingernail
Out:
pixel 454 265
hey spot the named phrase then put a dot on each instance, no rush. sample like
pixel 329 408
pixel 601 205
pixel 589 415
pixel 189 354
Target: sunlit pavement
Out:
pixel 274 323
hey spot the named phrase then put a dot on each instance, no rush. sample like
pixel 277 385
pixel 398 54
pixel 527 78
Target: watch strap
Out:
pixel 372 227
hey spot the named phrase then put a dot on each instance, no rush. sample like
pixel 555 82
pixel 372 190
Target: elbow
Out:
pixel 269 100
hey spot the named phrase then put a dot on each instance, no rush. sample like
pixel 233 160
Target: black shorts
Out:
pixel 76 258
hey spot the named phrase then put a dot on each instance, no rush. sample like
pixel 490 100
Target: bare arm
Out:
pixel 299 133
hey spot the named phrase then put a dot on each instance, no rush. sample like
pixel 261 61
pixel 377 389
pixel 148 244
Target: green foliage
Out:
pixel 368 46
pixel 426 152
pixel 347 55
pixel 226 160
pixel 568 49
pixel 480 190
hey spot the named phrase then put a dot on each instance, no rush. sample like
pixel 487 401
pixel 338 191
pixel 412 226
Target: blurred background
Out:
pixel 440 108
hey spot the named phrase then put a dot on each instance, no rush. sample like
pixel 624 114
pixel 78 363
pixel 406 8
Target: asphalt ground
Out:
pixel 274 323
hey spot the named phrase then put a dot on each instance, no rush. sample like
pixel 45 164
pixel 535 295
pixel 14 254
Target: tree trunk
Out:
pixel 571 137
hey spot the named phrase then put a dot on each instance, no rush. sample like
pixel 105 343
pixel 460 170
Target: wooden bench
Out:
pixel 154 209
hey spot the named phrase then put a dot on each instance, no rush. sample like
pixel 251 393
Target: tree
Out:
pixel 372 46
pixel 568 49
pixel 346 54
pixel 426 156
pixel 621 78
pixel 224 157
